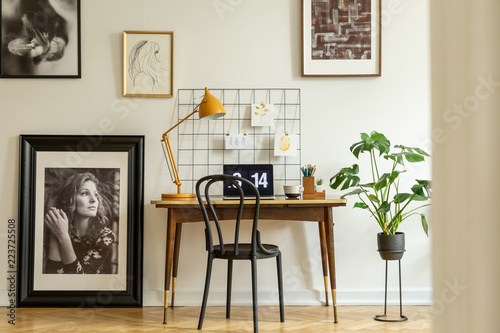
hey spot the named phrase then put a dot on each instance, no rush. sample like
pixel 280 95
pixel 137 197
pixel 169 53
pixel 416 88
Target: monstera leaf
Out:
pixel 347 176
pixel 370 142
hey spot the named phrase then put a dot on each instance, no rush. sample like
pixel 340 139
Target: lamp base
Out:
pixel 178 196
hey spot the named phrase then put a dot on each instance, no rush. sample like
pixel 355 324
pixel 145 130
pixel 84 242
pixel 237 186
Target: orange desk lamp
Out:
pixel 209 108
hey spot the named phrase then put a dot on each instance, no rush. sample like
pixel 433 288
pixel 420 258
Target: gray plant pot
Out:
pixel 391 247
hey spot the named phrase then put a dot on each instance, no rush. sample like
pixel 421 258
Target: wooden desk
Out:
pixel 319 211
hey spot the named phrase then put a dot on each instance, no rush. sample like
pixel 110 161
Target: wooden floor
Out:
pixel 185 319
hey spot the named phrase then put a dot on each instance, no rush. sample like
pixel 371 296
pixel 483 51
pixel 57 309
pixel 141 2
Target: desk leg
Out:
pixel 168 257
pixel 330 244
pixel 178 231
pixel 324 257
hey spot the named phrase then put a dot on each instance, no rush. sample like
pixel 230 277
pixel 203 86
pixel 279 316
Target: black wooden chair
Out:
pixel 236 251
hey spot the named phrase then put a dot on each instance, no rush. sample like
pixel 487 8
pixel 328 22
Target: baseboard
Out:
pixel 411 296
pixel 416 296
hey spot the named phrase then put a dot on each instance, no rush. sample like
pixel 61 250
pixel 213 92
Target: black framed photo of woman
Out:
pixel 40 39
pixel 80 221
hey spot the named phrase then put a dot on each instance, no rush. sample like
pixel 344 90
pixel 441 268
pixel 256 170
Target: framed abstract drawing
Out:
pixel 148 63
pixel 80 221
pixel 341 38
pixel 40 39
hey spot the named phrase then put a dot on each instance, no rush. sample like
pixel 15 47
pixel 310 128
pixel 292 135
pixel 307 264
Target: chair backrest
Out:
pixel 237 182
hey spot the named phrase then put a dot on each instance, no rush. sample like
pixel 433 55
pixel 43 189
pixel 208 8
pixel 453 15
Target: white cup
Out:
pixel 293 191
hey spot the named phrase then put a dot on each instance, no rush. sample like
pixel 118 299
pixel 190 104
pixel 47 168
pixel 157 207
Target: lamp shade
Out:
pixel 210 107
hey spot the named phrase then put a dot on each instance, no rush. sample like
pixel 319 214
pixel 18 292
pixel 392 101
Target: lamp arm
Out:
pixel 185 118
pixel 166 140
pixel 172 162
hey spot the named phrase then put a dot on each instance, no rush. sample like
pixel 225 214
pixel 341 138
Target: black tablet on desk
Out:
pixel 261 175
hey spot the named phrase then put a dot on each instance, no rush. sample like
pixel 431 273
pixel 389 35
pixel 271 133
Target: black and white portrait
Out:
pixel 81 218
pixel 40 38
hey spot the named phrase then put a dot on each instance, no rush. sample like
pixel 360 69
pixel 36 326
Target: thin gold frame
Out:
pixel 148 91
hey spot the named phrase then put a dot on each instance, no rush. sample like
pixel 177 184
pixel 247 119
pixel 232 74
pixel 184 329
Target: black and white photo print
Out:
pixel 81 220
pixel 40 39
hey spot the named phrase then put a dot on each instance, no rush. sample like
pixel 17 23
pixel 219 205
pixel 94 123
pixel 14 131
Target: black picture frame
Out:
pixel 40 39
pixel 74 151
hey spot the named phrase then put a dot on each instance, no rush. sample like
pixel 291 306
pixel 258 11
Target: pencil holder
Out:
pixel 308 184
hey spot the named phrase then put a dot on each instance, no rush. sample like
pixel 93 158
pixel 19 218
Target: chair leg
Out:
pixel 205 293
pixel 229 287
pixel 280 287
pixel 254 295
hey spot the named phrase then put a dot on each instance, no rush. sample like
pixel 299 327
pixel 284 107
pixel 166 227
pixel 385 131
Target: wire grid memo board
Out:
pixel 200 144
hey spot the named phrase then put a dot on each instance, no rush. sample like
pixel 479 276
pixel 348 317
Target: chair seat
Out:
pixel 245 251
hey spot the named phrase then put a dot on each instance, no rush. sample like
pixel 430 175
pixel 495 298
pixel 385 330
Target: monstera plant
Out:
pixel 381 195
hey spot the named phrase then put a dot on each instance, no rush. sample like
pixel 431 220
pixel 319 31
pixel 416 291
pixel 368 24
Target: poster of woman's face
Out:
pixel 40 38
pixel 81 219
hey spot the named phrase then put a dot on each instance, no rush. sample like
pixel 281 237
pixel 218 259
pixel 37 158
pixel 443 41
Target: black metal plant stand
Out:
pixel 382 317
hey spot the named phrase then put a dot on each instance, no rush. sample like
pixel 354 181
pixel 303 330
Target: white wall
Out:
pixel 254 44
